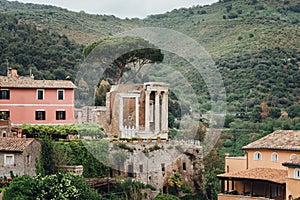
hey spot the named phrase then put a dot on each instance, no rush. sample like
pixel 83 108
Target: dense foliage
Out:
pixel 70 187
pixel 45 165
pixel 55 186
pixel 56 131
pixel 270 77
pixel 166 197
pixel 92 155
pixel 254 43
pixel 25 47
pixel 122 56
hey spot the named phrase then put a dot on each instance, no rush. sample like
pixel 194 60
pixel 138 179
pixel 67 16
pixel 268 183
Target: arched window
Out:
pixel 297 173
pixel 274 157
pixel 257 156
pixel 4 134
pixel 293 156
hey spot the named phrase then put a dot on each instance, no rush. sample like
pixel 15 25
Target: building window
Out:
pixel 28 159
pixel 184 166
pixel 3 134
pixel 4 94
pixel 297 173
pixel 257 156
pixel 274 157
pixel 130 171
pixel 293 156
pixel 163 167
pixel 40 94
pixel 141 168
pixel 60 115
pixel 60 94
pixel 40 115
pixel 4 115
pixel 8 159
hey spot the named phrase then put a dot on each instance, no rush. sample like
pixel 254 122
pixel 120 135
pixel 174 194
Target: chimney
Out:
pixel 12 73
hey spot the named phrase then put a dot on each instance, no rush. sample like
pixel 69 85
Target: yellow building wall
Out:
pixel 266 161
pixel 292 185
pixel 235 164
pixel 292 188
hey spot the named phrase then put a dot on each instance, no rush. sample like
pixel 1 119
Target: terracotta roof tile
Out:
pixel 27 82
pixel 14 144
pixel 279 140
pixel 292 163
pixel 265 174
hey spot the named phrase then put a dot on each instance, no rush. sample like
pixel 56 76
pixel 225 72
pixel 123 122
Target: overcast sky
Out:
pixel 122 8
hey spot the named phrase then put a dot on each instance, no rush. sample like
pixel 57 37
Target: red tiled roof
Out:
pixel 279 140
pixel 27 82
pixel 14 144
pixel 265 174
pixel 292 163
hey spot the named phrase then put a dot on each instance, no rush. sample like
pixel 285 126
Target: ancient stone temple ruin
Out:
pixel 141 111
pixel 137 110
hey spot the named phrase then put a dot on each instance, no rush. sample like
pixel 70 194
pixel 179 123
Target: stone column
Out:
pixel 157 112
pixel 164 113
pixel 137 113
pixel 121 114
pixel 147 110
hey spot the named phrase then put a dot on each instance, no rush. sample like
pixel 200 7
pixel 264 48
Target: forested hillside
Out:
pixel 80 27
pixel 47 54
pixel 255 45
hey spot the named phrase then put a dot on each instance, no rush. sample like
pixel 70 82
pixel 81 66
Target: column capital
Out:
pixel 147 92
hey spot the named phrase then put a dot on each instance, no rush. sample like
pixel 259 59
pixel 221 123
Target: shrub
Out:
pixel 166 197
pixel 185 188
pixel 232 16
pixel 64 186
pixel 22 187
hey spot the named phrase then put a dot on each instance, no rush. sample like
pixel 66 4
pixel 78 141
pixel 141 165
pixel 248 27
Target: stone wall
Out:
pixel 24 162
pixel 154 162
pixel 92 114
pixel 33 150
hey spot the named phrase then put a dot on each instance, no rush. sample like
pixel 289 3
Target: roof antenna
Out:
pixel 30 73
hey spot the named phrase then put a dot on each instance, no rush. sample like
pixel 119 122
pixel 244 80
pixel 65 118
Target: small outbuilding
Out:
pixel 19 155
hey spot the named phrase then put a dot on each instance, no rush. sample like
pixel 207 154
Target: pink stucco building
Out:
pixel 24 100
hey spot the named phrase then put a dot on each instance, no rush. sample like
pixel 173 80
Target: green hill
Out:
pixel 24 47
pixel 255 44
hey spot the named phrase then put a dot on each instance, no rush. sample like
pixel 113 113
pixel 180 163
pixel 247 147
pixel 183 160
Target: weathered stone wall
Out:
pixel 33 150
pixel 24 162
pixel 154 162
pixel 92 114
pixel 17 168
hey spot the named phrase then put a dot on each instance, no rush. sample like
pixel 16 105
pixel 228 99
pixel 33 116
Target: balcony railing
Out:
pixel 4 122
